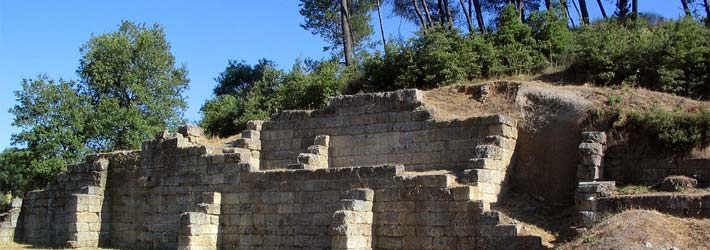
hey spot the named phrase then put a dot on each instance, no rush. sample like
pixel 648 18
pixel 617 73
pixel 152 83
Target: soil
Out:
pixel 643 229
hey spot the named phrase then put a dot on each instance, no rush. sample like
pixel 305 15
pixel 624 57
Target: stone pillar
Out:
pixel 8 221
pixel 591 152
pixel 199 230
pixel 317 156
pixel 492 159
pixel 586 200
pixel 352 224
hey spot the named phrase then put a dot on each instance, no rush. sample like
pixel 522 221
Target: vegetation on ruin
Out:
pixel 130 88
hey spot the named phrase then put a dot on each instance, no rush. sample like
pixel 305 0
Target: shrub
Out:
pixel 678 131
pixel 673 56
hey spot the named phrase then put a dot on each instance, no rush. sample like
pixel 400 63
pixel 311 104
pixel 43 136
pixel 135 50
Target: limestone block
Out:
pixel 356 205
pixel 505 230
pixel 322 140
pixel 594 137
pixel 211 198
pixel 342 217
pixel 208 209
pixel 318 150
pixel 591 148
pixel 251 134
pixel 364 194
pixel 247 143
pixel 191 130
pixel 254 125
pixel 194 218
pixel 602 188
pixel 313 159
pixel 503 130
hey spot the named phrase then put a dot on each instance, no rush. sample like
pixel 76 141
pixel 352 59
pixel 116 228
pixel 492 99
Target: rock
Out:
pixel 677 183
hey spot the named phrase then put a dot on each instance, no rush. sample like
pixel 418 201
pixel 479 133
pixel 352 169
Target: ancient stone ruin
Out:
pixel 370 171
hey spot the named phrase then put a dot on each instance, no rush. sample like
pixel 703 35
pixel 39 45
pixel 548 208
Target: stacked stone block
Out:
pixel 250 140
pixel 591 152
pixel 352 227
pixel 317 156
pixel 199 230
pixel 151 195
pixel 493 159
pixel 8 221
pixel 371 129
pixel 586 200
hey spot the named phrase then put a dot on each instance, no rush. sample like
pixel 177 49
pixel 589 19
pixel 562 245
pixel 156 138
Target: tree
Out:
pixel 342 23
pixel 585 13
pixel 601 8
pixel 622 9
pixel 52 116
pixel 706 4
pixel 16 175
pixel 686 9
pixel 134 85
pixel 479 16
pixel 239 77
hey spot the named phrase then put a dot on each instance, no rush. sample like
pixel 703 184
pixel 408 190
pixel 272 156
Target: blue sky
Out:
pixel 43 37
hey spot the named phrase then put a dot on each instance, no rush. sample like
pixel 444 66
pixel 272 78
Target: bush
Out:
pixel 673 57
pixel 678 131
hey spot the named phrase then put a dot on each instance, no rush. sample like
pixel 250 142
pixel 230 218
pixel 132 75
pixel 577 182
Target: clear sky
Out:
pixel 44 37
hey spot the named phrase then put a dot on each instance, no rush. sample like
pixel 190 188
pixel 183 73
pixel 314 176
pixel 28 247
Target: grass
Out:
pixel 632 229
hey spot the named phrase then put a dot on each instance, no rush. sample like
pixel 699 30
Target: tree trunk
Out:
pixel 635 8
pixel 449 17
pixel 685 7
pixel 440 6
pixel 564 5
pixel 468 16
pixel 479 16
pixel 706 3
pixel 428 14
pixel 585 13
pixel 347 35
pixel 601 8
pixel 548 5
pixel 382 26
pixel 419 14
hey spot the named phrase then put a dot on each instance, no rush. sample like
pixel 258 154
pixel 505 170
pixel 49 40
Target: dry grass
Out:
pixel 451 103
pixel 637 229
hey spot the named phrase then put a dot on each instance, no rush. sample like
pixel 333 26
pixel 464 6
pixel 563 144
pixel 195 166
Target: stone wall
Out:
pixel 368 172
pixel 371 129
pixel 639 162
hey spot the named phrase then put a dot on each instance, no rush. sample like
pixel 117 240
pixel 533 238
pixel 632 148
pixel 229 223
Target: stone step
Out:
pixel 247 143
pixel 251 134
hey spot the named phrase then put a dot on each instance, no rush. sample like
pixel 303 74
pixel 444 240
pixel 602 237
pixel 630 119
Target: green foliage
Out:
pixel 134 84
pixel 322 17
pixel 219 113
pixel 52 116
pixel 306 86
pixel 673 57
pixel 553 38
pixel 436 57
pixel 15 174
pixel 130 89
pixel 678 131
pixel 239 77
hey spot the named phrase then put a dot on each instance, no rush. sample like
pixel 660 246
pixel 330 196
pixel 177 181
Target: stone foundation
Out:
pixel 370 171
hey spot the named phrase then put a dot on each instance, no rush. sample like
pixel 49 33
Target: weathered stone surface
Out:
pixel 339 178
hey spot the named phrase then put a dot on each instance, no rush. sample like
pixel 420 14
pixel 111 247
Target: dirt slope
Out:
pixel 641 229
